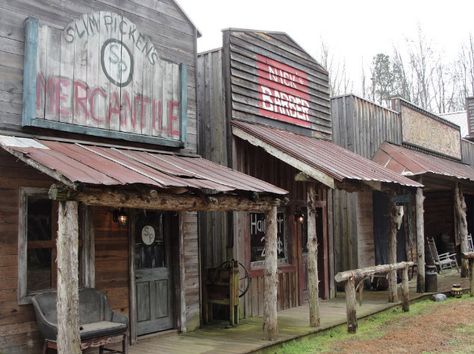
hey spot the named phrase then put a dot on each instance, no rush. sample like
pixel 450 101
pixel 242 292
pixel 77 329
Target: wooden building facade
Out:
pixel 264 109
pixel 412 142
pixel 263 78
pixel 111 73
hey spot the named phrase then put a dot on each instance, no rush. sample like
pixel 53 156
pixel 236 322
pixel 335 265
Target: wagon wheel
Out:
pixel 244 278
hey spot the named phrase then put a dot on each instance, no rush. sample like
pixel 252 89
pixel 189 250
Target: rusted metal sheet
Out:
pixel 414 163
pixel 324 156
pixel 81 163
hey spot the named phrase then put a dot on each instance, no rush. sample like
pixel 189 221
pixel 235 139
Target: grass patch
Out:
pixel 371 327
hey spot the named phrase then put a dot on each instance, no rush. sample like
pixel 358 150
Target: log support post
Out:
pixel 67 305
pixel 312 245
pixel 471 276
pixel 420 242
pixel 469 257
pixel 392 250
pixel 460 207
pixel 270 300
pixel 351 305
pixel 405 291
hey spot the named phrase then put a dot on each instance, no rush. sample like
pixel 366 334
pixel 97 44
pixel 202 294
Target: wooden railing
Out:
pixel 470 256
pixel 356 276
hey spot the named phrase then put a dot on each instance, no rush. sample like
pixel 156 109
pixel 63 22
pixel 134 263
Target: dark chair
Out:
pixel 99 325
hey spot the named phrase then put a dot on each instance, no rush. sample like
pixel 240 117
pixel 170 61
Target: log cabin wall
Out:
pixel 360 126
pixel 18 331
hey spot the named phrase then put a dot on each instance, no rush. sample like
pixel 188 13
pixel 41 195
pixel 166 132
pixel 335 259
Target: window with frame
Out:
pixel 257 238
pixel 37 243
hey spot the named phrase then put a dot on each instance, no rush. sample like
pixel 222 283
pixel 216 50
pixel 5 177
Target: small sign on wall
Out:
pixel 101 76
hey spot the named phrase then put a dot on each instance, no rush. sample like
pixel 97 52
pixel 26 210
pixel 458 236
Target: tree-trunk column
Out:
pixel 392 252
pixel 270 322
pixel 313 282
pixel 420 242
pixel 460 206
pixel 68 339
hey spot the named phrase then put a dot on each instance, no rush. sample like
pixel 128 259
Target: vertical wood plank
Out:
pixel 68 279
pixel 270 322
pixel 30 70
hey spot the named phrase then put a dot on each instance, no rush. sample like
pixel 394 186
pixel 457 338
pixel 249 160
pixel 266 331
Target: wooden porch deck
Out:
pixel 293 323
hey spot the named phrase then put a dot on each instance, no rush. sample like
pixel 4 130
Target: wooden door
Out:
pixel 153 276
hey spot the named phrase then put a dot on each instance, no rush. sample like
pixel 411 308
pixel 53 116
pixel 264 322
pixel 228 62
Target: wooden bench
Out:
pixel 99 325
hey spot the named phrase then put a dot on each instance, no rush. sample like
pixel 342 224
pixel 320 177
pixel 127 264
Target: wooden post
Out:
pixel 420 242
pixel 405 291
pixel 312 263
pixel 68 339
pixel 351 305
pixel 471 276
pixel 270 322
pixel 460 206
pixel 392 251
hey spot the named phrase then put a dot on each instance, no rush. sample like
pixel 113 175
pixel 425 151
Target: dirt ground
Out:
pixel 447 328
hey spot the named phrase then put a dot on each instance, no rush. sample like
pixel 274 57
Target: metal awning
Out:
pixel 321 160
pixel 408 162
pixel 75 164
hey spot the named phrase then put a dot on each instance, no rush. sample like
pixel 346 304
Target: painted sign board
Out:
pixel 423 129
pixel 283 92
pixel 101 76
pixel 274 82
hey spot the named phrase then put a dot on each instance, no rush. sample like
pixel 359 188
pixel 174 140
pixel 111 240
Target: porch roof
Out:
pixel 75 164
pixel 408 162
pixel 321 160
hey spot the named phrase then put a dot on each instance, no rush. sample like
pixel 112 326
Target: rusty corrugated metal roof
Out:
pixel 408 162
pixel 80 163
pixel 322 156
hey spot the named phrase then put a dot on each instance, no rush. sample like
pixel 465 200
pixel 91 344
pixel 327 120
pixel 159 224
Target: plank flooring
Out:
pixel 293 323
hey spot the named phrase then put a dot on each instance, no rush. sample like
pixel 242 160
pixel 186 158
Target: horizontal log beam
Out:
pixel 358 274
pixel 153 199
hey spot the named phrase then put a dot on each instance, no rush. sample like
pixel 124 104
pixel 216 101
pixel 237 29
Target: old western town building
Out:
pixel 192 188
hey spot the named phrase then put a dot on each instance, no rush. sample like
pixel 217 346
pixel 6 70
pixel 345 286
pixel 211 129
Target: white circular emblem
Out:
pixel 148 234
pixel 117 62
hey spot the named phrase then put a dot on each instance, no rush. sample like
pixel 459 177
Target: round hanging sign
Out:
pixel 148 234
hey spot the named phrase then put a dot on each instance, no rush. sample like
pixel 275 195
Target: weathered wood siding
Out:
pixel 439 214
pixel 171 33
pixel 273 81
pixel 256 162
pixel 174 38
pixel 360 126
pixel 467 148
pixel 111 258
pixel 18 330
pixel 470 115
pixel 213 137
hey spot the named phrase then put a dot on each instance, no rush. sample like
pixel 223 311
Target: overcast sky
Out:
pixel 353 29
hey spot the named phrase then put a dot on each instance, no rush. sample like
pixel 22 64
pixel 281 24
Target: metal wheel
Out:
pixel 244 277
